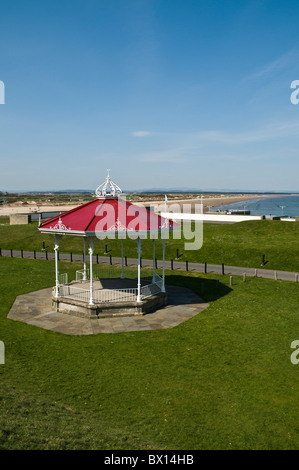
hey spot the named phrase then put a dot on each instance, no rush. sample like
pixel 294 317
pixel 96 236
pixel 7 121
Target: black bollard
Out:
pixel 97 259
pixel 172 265
pixel 46 255
pixel 222 269
pixel 11 255
pixel 206 267
pixel 71 257
pixel 263 260
pixel 177 253
pixel 106 250
pixel 111 259
pixel 186 265
pixel 126 261
pixel 22 256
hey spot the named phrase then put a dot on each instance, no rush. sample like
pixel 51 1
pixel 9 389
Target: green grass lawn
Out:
pixel 222 380
pixel 240 244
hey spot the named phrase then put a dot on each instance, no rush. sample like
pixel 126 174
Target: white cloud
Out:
pixel 281 63
pixel 141 133
pixel 267 133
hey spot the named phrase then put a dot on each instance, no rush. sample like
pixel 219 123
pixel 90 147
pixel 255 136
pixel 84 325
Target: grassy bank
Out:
pixel 240 244
pixel 222 380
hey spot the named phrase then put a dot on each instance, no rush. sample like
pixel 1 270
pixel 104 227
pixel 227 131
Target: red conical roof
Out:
pixel 104 216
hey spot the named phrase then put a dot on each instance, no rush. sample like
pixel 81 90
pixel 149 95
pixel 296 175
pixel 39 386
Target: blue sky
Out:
pixel 165 93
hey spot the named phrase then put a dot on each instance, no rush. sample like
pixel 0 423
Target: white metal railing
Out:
pixel 114 273
pixel 150 289
pixel 63 278
pixel 99 295
pixel 115 295
pixel 110 295
pixel 107 273
pixel 76 293
pixel 80 274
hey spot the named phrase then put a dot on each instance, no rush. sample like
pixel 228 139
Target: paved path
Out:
pixel 35 309
pixel 177 265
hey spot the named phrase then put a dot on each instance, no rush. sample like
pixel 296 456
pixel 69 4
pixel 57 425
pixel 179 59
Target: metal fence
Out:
pixel 99 295
pixel 76 293
pixel 63 278
pixel 109 295
pixel 114 273
pixel 115 295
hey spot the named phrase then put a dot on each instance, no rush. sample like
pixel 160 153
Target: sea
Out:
pixel 283 206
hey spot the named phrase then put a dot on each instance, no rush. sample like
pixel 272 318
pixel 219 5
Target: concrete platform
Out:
pixel 35 309
pixel 112 298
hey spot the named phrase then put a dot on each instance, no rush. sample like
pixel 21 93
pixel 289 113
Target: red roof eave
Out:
pixel 106 216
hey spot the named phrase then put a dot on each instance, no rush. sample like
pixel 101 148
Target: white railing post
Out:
pixel 90 249
pixel 138 282
pixel 84 260
pixel 56 249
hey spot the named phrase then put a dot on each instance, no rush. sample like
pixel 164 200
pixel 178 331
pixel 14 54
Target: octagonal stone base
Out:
pixel 109 309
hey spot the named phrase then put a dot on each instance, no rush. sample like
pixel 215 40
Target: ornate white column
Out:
pixel 139 283
pixel 84 260
pixel 154 260
pixel 163 275
pixel 56 249
pixel 90 250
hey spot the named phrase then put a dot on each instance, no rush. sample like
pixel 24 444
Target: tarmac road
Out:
pixel 177 265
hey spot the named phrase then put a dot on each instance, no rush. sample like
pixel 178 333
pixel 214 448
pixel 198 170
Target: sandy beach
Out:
pixel 208 203
pixel 10 209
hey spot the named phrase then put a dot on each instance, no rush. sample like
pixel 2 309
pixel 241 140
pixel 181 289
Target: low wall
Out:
pixel 20 219
pixel 109 309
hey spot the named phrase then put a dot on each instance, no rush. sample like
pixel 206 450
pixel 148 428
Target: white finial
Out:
pixel 108 188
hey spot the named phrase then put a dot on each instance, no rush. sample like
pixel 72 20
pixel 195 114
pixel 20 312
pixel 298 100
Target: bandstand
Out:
pixel 99 292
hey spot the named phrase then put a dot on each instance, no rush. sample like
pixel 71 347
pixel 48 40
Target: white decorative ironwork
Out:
pixel 60 226
pixel 108 188
pixel 117 227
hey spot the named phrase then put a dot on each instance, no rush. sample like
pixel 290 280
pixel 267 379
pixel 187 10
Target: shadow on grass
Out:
pixel 207 289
